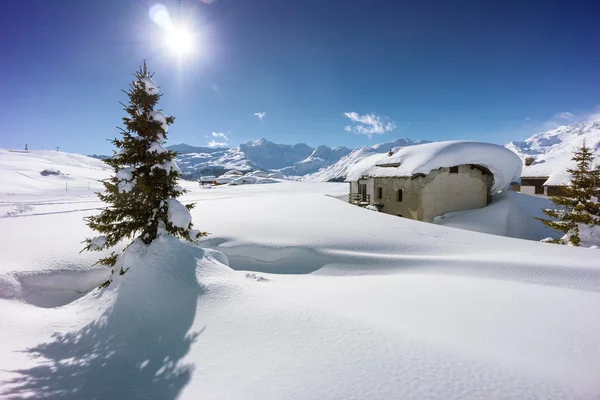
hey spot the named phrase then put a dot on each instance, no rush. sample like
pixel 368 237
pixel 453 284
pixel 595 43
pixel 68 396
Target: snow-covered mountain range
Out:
pixel 297 159
pixel 552 150
pixel 320 163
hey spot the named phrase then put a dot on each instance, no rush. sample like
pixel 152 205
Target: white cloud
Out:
pixel 564 115
pixel 565 118
pixel 223 135
pixel 214 143
pixel 260 115
pixel 223 142
pixel 369 124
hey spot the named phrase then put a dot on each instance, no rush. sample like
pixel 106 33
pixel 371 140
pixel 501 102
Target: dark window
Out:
pixel 380 193
pixel 454 170
pixel 399 195
pixel 539 190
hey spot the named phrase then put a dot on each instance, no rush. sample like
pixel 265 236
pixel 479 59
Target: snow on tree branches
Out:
pixel 142 193
pixel 577 214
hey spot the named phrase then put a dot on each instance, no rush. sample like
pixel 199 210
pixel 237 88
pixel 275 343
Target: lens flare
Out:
pixel 160 15
pixel 179 39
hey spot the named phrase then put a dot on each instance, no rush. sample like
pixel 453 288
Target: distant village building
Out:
pixel 424 181
pixel 537 185
pixel 537 180
pixel 207 179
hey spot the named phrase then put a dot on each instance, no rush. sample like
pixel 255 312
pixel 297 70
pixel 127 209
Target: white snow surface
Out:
pixel 297 295
pixel 98 242
pixel 553 150
pixel 149 85
pixel 178 214
pixel 424 158
pixel 156 147
pixel 159 117
pixel 20 173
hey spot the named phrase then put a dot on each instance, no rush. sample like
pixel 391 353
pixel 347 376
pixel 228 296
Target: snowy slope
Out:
pixel 321 157
pixel 340 169
pixel 302 296
pixel 553 150
pixel 424 158
pixel 45 172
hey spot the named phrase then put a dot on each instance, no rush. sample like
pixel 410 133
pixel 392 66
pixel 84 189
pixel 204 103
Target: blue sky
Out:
pixel 492 71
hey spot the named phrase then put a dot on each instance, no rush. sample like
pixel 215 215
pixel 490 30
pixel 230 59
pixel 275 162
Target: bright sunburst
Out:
pixel 179 40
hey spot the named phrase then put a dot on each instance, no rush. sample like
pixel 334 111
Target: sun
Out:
pixel 180 40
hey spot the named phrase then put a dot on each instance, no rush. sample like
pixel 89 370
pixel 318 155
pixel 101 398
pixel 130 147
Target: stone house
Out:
pixel 419 182
pixel 425 196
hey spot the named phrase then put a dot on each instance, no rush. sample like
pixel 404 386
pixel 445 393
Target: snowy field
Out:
pixel 296 295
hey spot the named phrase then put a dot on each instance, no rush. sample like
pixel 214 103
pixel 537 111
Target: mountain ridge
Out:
pixel 552 150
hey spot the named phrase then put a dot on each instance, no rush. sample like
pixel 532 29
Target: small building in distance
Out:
pixel 206 179
pixel 537 179
pixel 424 181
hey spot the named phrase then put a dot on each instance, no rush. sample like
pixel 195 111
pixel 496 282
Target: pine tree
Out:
pixel 141 195
pixel 579 206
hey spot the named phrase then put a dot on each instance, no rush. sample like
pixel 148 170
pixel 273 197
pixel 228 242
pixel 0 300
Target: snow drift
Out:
pixel 136 347
pixel 424 158
pixel 511 214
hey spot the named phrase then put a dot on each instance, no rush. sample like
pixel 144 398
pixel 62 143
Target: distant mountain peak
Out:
pixel 552 150
pixel 298 159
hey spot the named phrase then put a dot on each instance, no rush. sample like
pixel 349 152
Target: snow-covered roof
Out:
pixel 424 158
pixel 553 167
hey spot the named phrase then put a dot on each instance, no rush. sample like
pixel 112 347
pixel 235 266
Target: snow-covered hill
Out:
pixel 553 150
pixel 339 170
pixel 37 172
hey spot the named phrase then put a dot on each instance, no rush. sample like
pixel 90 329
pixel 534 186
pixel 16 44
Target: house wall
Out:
pixel 448 192
pixel 431 195
pixel 533 186
pixel 528 189
pixel 370 188
pixel 411 196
